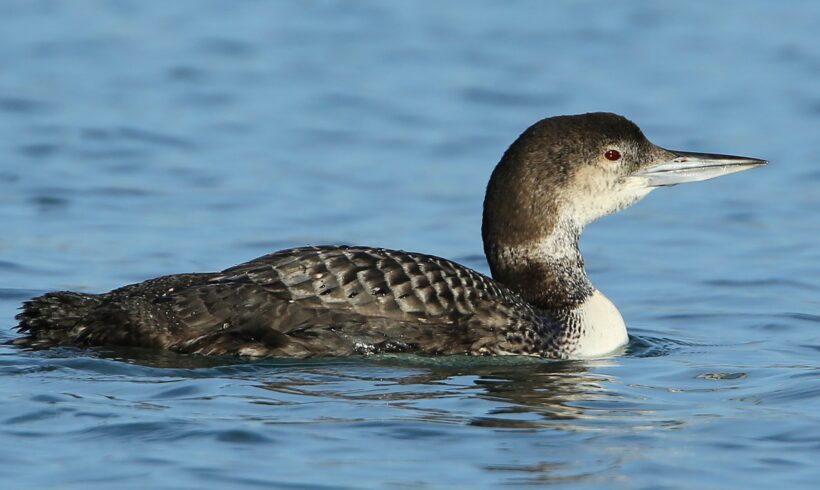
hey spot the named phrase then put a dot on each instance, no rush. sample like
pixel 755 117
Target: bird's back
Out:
pixel 312 301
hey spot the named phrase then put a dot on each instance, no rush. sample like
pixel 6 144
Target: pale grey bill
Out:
pixel 694 167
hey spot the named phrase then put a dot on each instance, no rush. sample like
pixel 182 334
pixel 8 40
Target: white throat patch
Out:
pixel 602 325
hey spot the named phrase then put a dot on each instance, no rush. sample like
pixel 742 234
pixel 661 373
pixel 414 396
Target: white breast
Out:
pixel 602 325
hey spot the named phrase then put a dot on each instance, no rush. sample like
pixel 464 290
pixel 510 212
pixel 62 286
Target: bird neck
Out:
pixel 547 271
pixel 549 274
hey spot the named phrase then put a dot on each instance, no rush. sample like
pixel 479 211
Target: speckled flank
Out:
pixel 302 302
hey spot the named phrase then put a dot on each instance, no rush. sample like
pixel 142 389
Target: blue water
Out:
pixel 146 138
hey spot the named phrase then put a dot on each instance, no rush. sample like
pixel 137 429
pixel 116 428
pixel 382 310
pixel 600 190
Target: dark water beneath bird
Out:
pixel 141 139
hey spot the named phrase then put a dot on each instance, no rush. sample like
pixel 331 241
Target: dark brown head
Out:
pixel 565 172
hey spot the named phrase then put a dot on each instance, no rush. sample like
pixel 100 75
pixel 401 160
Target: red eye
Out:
pixel 612 155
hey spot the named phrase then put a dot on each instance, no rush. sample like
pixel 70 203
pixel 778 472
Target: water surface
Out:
pixel 142 139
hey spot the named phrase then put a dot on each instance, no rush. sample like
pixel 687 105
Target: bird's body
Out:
pixel 336 301
pixel 332 301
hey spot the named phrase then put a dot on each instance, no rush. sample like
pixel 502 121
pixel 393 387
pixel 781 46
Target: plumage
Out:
pixel 558 176
pixel 301 302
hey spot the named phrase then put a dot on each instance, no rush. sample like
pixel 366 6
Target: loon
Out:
pixel 558 176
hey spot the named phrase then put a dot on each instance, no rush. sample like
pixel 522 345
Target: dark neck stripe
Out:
pixel 549 275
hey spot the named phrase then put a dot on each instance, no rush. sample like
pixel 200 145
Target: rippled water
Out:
pixel 147 138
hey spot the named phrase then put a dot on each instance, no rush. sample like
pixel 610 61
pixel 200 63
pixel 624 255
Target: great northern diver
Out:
pixel 559 175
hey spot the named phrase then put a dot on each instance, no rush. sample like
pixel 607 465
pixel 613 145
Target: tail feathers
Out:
pixel 47 319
